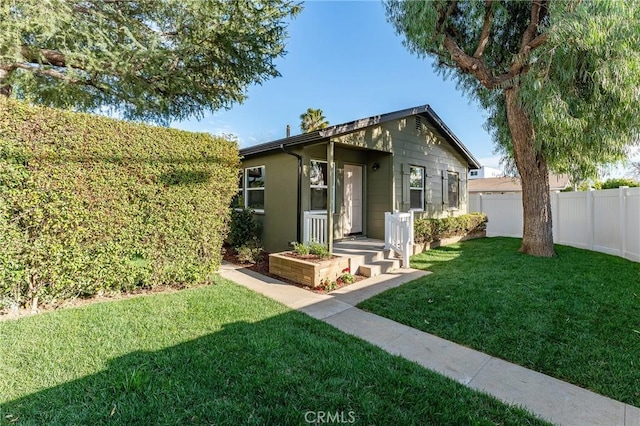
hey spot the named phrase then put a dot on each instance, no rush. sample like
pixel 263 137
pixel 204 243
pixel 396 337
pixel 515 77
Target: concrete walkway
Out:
pixel 549 398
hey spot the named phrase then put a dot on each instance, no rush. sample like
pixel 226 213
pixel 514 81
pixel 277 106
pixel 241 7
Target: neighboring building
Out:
pixel 485 172
pixel 407 159
pixel 508 185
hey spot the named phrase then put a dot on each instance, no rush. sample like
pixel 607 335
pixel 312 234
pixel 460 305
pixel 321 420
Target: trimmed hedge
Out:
pixel 428 230
pixel 91 204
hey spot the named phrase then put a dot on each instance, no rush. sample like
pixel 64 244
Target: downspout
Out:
pixel 299 207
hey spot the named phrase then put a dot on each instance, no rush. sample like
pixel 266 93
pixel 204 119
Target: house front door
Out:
pixel 352 199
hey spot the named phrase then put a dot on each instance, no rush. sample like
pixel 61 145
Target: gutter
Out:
pixel 299 203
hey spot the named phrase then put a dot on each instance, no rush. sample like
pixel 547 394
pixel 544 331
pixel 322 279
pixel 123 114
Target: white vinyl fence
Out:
pixel 607 221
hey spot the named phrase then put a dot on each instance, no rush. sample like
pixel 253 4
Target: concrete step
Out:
pixel 379 267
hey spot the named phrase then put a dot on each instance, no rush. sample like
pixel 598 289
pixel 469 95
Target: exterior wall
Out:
pixel 414 143
pixel 393 147
pixel 280 199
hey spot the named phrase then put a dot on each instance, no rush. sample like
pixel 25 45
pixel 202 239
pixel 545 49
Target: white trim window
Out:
pixel 453 189
pixel 254 188
pixel 416 187
pixel 318 178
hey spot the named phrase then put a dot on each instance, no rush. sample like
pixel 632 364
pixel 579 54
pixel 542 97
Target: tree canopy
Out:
pixel 312 119
pixel 153 60
pixel 560 80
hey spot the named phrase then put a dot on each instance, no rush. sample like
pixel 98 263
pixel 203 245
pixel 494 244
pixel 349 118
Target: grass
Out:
pixel 575 317
pixel 216 355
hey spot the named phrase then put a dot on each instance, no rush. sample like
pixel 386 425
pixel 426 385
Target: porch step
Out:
pixel 379 267
pixel 367 257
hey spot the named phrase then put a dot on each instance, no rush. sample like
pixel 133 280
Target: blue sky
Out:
pixel 344 58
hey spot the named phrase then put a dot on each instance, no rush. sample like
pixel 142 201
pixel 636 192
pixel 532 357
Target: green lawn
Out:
pixel 575 317
pixel 216 355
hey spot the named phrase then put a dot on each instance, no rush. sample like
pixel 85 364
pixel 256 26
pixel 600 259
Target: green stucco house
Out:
pixel 399 161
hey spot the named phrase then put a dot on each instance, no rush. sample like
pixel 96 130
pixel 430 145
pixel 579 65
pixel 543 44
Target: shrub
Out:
pixel 347 277
pixel 250 252
pixel 301 249
pixel 328 285
pixel 319 250
pixel 243 227
pixel 95 204
pixel 428 230
pixel 617 183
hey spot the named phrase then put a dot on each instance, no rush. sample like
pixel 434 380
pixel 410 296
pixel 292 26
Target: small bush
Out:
pixel 249 253
pixel 319 250
pixel 347 277
pixel 301 249
pixel 243 227
pixel 315 249
pixel 617 183
pixel 428 230
pixel 328 285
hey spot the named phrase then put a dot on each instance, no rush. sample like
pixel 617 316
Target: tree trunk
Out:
pixel 537 235
pixel 5 89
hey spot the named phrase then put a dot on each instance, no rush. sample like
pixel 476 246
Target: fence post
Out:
pixel 387 246
pixel 305 238
pixel 622 202
pixel 555 215
pixel 411 228
pixel 590 221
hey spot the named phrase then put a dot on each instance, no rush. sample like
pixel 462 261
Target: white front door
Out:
pixel 352 199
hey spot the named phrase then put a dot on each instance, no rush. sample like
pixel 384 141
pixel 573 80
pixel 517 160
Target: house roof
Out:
pixel 512 184
pixel 352 126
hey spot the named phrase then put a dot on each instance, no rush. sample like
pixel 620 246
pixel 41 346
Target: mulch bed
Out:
pixel 262 267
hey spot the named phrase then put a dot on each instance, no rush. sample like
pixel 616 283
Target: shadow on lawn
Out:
pixel 270 372
pixel 217 378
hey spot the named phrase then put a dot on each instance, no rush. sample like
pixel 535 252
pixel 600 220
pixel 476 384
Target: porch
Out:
pixel 369 257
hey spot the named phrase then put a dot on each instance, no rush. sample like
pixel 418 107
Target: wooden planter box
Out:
pixel 307 272
pixel 420 247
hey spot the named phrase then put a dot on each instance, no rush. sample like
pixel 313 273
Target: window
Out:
pixel 254 188
pixel 416 188
pixel 453 189
pixel 318 184
pixel 238 200
pixel 318 178
pixel 473 173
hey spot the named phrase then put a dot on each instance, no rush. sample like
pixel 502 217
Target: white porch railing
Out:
pixel 315 228
pixel 398 234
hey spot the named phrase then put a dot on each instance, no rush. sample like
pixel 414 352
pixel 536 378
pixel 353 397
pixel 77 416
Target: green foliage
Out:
pixel 312 119
pixel 250 252
pixel 94 204
pixel 347 277
pixel 617 183
pixel 428 230
pixel 578 86
pixel 301 249
pixel 244 228
pixel 328 285
pixel 319 250
pixel 149 59
pixel 313 249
